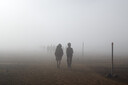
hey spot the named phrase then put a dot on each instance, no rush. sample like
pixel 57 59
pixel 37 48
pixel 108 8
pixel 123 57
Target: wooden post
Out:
pixel 112 59
pixel 112 75
pixel 83 49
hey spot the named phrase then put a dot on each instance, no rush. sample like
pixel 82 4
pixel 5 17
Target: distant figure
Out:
pixel 59 54
pixel 69 52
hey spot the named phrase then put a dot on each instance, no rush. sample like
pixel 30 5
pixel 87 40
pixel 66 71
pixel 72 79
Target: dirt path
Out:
pixel 48 74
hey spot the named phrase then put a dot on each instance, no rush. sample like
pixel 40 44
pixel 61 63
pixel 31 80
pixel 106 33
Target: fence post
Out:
pixel 83 49
pixel 112 59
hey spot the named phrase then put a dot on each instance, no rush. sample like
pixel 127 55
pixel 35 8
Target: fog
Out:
pixel 33 25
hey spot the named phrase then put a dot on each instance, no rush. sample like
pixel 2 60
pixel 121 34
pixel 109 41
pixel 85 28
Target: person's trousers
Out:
pixel 69 61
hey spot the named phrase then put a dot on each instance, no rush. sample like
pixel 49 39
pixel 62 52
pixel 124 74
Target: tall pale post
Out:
pixel 112 59
pixel 82 49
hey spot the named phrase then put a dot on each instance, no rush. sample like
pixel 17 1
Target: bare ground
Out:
pixel 44 72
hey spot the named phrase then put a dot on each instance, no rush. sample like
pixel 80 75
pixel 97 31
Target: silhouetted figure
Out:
pixel 69 52
pixel 59 54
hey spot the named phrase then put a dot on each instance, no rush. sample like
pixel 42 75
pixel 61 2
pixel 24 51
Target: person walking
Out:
pixel 69 52
pixel 59 54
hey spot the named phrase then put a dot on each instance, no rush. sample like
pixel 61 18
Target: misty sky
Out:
pixel 28 24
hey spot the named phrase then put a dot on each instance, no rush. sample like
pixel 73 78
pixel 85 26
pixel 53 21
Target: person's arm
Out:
pixel 62 52
pixel 66 50
pixel 56 52
pixel 72 51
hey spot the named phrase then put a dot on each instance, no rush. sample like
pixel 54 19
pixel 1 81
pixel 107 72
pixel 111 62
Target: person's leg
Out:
pixel 56 61
pixel 57 64
pixel 68 61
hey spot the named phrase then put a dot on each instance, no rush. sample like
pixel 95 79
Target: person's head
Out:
pixel 59 45
pixel 69 44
